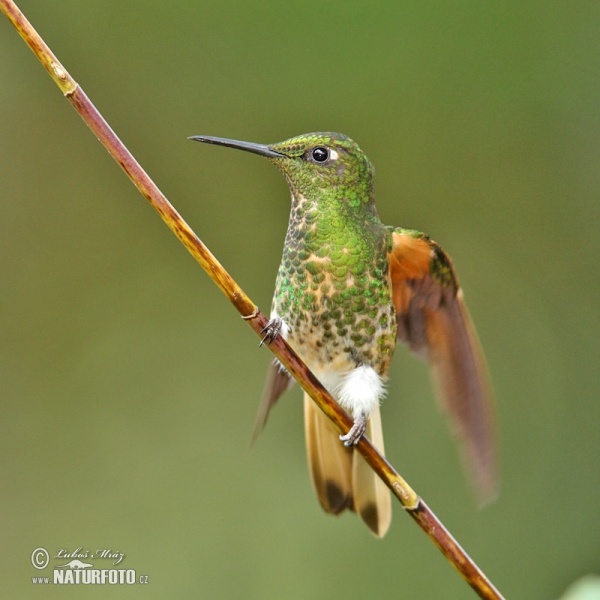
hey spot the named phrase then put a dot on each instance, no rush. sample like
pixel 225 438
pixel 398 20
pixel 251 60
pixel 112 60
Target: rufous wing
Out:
pixel 433 320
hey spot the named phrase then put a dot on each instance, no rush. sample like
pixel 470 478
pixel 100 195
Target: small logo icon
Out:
pixel 74 564
pixel 40 558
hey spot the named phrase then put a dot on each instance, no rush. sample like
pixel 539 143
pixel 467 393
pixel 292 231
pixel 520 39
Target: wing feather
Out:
pixel 433 319
pixel 278 381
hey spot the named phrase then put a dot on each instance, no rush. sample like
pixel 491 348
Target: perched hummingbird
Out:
pixel 347 289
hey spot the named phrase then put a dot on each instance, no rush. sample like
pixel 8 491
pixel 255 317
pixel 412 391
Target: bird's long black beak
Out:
pixel 261 149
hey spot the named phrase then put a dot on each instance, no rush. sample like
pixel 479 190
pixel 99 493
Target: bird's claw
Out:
pixel 271 331
pixel 356 432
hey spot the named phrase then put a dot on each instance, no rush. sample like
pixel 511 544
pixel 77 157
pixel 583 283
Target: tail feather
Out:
pixel 329 461
pixel 372 500
pixel 341 477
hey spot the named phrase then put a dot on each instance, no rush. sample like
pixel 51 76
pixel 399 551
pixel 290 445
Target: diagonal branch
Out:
pixel 414 505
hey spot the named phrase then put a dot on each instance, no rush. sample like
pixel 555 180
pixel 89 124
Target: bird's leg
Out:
pixel 271 330
pixel 356 432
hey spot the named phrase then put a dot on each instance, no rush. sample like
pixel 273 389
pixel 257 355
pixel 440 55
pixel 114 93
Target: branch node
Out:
pixel 410 501
pixel 251 316
pixel 59 71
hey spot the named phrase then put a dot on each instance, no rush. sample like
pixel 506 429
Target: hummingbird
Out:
pixel 347 290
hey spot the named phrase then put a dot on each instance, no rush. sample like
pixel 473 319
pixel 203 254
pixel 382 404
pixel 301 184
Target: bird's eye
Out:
pixel 320 154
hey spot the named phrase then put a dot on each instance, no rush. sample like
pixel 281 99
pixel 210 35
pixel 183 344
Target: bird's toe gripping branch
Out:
pixel 271 331
pixel 356 432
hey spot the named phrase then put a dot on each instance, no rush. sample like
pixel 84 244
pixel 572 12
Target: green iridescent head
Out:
pixel 325 161
pixel 317 165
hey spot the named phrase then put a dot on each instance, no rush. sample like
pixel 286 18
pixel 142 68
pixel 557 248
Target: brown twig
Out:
pixel 418 510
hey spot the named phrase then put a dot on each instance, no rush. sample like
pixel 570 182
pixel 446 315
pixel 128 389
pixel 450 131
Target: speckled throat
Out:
pixel 333 288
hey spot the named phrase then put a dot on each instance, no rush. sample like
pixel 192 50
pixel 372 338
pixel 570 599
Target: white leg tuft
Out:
pixel 360 390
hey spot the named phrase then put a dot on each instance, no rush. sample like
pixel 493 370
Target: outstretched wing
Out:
pixel 433 320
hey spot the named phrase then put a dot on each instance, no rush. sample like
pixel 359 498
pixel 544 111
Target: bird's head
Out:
pixel 318 166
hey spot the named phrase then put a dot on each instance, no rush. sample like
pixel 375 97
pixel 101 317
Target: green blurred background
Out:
pixel 128 383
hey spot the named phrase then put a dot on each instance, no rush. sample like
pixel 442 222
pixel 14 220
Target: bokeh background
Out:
pixel 129 385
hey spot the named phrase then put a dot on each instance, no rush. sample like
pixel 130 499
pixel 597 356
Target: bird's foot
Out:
pixel 356 432
pixel 271 331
